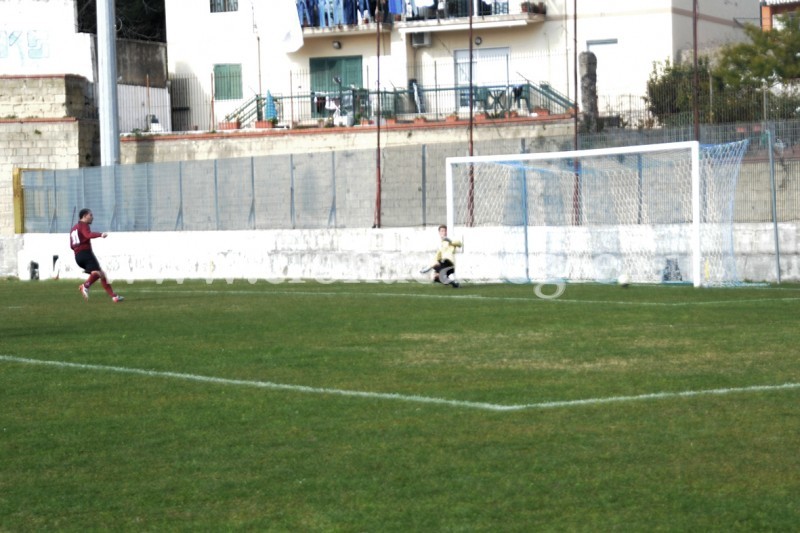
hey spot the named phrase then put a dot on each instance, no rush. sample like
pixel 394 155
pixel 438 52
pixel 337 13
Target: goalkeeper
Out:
pixel 444 265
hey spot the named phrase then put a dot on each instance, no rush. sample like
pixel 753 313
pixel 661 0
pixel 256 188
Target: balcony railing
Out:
pixel 311 17
pixel 347 106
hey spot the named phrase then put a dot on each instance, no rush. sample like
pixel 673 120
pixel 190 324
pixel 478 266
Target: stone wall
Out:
pixel 40 144
pixel 38 97
pixel 44 125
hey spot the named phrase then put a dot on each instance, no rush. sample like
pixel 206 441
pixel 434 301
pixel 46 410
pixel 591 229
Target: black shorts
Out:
pixel 87 261
pixel 445 267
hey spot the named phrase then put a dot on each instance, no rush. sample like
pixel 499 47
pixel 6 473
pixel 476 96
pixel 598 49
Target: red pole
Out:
pixel 576 192
pixel 376 221
pixel 471 191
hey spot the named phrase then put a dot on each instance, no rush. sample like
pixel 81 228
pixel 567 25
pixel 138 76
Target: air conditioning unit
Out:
pixel 421 39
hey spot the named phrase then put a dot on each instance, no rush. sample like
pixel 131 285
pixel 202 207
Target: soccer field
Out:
pixel 398 407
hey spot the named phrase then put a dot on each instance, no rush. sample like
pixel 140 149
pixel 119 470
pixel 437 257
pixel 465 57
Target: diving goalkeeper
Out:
pixel 444 266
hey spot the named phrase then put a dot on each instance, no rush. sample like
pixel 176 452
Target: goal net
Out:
pixel 655 213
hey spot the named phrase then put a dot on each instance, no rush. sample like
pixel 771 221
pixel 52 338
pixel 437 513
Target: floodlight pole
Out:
pixel 107 83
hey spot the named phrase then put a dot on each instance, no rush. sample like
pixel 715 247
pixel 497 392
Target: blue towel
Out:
pixel 269 108
pixel 396 7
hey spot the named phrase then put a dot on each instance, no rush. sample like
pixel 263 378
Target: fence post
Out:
pixel 773 194
pixel 19 201
pixel 179 220
pixel 291 192
pixel 332 213
pixel 424 185
pixel 252 192
pixel 216 192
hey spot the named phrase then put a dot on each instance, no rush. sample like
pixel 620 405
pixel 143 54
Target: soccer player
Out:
pixel 80 240
pixel 444 265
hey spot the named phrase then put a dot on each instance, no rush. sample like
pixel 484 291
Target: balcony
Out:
pixel 446 15
pixel 447 9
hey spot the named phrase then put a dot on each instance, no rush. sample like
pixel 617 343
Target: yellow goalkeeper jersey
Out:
pixel 447 251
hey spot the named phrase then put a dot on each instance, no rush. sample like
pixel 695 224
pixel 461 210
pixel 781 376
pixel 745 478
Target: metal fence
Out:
pixel 338 189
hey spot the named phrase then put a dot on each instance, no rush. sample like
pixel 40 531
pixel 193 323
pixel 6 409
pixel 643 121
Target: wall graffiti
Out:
pixel 24 45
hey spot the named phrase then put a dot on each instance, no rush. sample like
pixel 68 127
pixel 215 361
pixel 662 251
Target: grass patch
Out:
pixel 128 442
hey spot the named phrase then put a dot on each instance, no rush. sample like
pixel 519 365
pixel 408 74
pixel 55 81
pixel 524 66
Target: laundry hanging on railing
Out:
pixel 270 111
pixel 396 7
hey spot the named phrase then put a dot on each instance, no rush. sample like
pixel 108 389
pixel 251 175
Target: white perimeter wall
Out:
pixel 356 254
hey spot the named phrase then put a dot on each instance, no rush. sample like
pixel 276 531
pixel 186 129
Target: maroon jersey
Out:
pixel 80 237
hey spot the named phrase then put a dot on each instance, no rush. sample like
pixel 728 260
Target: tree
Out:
pixel 139 19
pixel 770 57
pixel 732 88
pixel 769 64
pixel 670 96
pixel 669 92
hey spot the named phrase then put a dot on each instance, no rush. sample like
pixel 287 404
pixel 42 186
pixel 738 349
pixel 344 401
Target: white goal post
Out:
pixel 660 213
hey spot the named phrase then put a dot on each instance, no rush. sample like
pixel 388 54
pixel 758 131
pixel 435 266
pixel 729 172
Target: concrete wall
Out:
pixel 388 255
pixel 142 63
pixel 254 142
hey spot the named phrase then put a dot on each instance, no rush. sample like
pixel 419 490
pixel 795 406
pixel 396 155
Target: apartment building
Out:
pixel 426 45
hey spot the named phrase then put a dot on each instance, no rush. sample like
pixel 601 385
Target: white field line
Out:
pixel 398 397
pixel 450 297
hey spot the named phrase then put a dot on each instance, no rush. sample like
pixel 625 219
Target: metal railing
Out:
pixel 430 92
pixel 336 107
pixel 310 16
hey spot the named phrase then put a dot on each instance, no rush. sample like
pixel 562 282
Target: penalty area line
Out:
pixel 396 396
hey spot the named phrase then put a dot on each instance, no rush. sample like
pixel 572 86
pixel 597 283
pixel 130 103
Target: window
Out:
pixel 325 69
pixel 228 82
pixel 332 81
pixel 220 6
pixel 489 69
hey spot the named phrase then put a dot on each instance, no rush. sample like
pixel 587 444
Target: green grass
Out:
pixel 97 446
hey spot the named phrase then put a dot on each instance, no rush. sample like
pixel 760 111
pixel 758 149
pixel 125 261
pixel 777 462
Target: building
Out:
pixel 40 39
pixel 419 58
pixel 772 8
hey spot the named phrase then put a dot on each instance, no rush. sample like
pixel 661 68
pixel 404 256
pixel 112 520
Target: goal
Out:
pixel 660 213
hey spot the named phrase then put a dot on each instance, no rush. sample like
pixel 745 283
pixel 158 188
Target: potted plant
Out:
pixel 533 7
pixel 267 124
pixel 230 124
